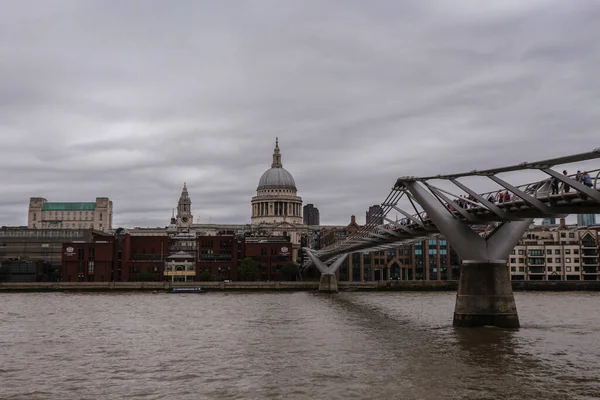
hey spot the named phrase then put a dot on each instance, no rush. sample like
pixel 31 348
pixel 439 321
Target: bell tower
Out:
pixel 184 209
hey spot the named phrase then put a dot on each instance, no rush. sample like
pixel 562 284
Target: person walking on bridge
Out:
pixel 587 181
pixel 566 187
pixel 554 184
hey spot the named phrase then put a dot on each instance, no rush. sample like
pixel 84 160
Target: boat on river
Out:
pixel 186 290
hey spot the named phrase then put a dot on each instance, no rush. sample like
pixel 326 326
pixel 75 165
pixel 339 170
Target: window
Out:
pixel 568 269
pixel 549 269
pixel 557 260
pixel 576 269
pixel 45 244
pixel 549 260
pixel 572 235
pixel 91 253
pixel 576 260
pixel 548 251
pixel 567 251
pixel 521 260
pixel 513 260
pixel 521 252
pixel 513 269
pixel 563 235
pixel 521 269
pixel 90 267
pixel 558 269
pixel 80 254
pixel 557 251
pixel 568 260
pixel 576 251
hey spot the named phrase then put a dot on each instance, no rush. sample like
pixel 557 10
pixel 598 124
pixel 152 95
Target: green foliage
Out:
pixel 205 276
pixel 145 277
pixel 4 272
pixel 248 269
pixel 289 271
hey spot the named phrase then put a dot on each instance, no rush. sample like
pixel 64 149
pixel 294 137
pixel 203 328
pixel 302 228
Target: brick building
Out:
pixel 141 257
pixel 271 254
pixel 88 262
pixel 219 255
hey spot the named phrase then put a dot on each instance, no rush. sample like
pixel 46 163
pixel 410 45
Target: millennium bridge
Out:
pixel 483 228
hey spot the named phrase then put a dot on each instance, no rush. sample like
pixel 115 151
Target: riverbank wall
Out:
pixel 383 286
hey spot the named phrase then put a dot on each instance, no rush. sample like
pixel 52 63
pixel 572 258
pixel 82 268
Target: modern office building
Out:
pixel 586 219
pixel 549 221
pixel 70 215
pixel 310 215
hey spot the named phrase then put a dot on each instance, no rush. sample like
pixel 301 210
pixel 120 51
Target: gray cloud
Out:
pixel 131 99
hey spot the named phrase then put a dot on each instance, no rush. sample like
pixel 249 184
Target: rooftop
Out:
pixel 69 206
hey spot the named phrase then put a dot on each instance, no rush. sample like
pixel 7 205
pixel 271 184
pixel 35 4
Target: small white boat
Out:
pixel 186 290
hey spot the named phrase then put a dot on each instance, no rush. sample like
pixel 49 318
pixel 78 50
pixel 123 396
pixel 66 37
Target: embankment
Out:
pixel 282 286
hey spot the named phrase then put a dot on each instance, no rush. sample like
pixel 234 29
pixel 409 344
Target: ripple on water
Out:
pixel 293 345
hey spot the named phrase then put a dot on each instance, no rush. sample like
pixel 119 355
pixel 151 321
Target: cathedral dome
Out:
pixel 277 176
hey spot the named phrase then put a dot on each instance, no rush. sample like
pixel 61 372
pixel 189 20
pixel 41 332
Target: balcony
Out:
pixel 590 270
pixel 537 270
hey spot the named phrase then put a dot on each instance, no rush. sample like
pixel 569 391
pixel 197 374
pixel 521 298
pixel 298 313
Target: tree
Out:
pixel 205 276
pixel 145 277
pixel 289 271
pixel 4 272
pixel 248 269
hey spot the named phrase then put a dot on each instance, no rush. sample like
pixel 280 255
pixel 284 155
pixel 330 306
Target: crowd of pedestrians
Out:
pixel 581 177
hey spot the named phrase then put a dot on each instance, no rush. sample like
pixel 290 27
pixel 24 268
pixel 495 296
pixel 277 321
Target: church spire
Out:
pixel 276 156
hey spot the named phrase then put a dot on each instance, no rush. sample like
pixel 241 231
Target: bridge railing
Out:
pixel 418 224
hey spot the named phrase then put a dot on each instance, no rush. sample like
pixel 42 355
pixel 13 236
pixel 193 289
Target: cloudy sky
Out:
pixel 129 99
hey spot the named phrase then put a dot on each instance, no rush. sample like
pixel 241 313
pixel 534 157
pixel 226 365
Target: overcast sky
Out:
pixel 129 99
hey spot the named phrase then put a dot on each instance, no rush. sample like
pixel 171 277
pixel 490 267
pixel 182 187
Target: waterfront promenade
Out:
pixel 283 286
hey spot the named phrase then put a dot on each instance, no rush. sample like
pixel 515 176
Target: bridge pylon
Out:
pixel 485 295
pixel 328 282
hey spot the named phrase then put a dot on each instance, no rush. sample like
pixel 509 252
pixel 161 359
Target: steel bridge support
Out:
pixel 328 282
pixel 485 295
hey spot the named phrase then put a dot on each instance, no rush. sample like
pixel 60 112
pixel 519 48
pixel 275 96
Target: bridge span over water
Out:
pixel 483 228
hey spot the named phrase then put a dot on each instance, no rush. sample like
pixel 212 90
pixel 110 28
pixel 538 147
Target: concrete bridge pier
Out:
pixel 328 284
pixel 485 296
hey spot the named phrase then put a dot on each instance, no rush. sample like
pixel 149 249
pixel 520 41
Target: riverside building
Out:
pixel 70 215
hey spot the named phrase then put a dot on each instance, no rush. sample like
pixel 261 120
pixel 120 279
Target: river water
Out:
pixel 293 346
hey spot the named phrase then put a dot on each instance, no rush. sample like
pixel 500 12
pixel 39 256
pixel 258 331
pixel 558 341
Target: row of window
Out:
pixel 513 260
pixel 549 269
pixel 67 225
pixel 540 252
pixel 68 215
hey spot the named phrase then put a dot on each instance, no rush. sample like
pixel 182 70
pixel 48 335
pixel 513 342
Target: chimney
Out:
pixel 562 223
pixel 353 219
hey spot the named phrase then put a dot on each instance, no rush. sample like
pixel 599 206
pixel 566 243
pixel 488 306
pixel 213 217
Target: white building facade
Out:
pixel 96 215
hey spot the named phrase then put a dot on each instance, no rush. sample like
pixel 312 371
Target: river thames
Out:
pixel 293 346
